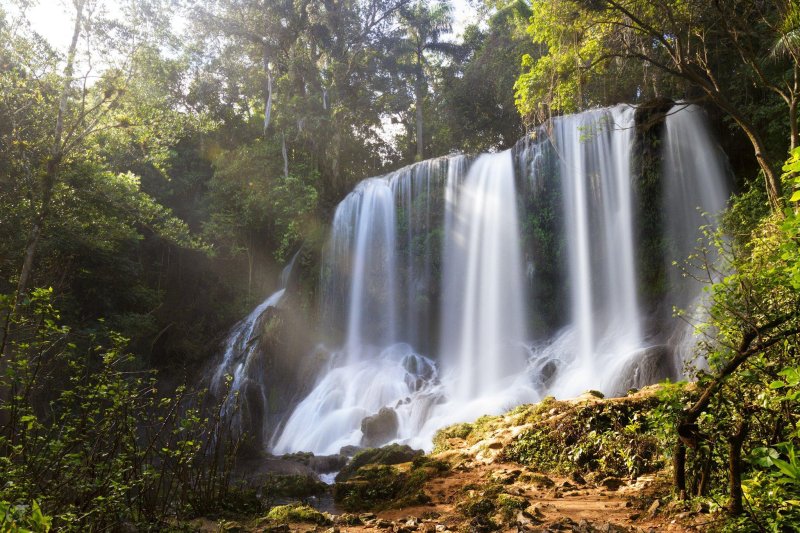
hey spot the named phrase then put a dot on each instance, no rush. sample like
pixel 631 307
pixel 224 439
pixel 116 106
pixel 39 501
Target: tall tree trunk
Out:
pixel 54 162
pixel 679 469
pixel 285 155
pixel 267 88
pixel 736 441
pixel 419 97
pixel 794 136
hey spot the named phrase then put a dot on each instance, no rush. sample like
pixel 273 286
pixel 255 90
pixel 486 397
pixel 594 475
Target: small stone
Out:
pixel 441 527
pixel 541 481
pixel 367 516
pixel 612 483
pixel 653 509
pixel 576 478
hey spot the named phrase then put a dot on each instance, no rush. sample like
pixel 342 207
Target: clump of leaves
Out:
pixel 23 518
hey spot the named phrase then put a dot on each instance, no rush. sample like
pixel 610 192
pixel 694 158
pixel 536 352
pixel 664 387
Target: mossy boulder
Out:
pixel 284 514
pixel 292 486
pixel 377 486
pixel 393 454
pixel 616 437
pixel 509 505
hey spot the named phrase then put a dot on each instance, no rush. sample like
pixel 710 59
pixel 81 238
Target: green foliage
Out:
pixel 250 196
pixel 750 344
pixel 575 44
pixel 615 438
pixel 91 439
pixel 23 518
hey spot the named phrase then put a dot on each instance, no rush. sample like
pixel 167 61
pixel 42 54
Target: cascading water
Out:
pixel 692 163
pixel 593 150
pixel 239 359
pixel 694 194
pixel 483 309
pixel 518 274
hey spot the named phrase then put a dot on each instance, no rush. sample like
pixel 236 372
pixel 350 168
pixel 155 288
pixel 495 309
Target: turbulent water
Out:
pixel 458 287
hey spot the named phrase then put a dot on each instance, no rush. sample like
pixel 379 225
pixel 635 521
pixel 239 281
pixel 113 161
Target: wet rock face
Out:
pixel 380 428
pixel 651 365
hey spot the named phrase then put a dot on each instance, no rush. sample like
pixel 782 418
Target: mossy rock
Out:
pixel 292 486
pixel 375 487
pixel 284 514
pixel 613 437
pixel 441 440
pixel 509 505
pixel 392 454
pixel 537 480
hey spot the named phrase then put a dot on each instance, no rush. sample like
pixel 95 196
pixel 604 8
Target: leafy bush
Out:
pixel 89 436
pixel 617 438
pixel 23 518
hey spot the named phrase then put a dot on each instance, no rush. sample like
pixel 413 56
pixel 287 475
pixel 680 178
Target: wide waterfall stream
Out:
pixel 461 286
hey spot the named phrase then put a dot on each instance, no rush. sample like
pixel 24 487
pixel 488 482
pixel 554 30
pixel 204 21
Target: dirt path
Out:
pixel 565 506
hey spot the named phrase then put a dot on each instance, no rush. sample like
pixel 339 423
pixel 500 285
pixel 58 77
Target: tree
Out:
pixel 75 106
pixel 474 94
pixel 323 85
pixel 710 48
pixel 424 26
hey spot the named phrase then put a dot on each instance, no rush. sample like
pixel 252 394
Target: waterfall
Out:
pixel 240 361
pixel 593 149
pixel 696 190
pixel 693 165
pixel 363 241
pixel 460 286
pixel 482 306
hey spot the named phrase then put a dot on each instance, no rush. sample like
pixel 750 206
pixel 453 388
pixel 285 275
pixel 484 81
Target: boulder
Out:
pixel 380 428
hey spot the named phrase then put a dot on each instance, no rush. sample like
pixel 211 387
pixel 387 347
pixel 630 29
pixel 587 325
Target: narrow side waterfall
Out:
pixel 460 286
pixel 241 371
pixel 483 309
pixel 692 164
pixel 594 153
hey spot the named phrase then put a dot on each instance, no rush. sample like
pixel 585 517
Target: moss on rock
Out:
pixel 392 454
pixel 283 514
pixel 378 486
